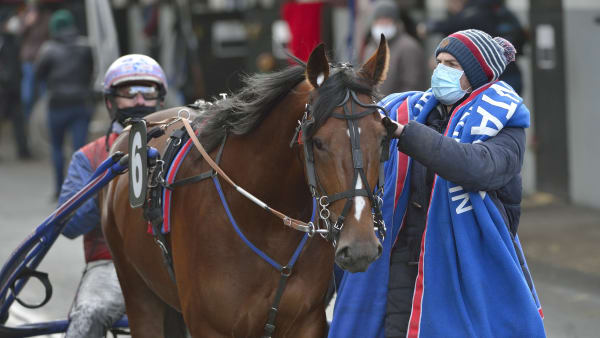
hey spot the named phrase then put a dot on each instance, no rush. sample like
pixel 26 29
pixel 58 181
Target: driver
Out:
pixel 134 86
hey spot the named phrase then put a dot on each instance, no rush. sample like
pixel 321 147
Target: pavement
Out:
pixel 561 243
pixel 562 247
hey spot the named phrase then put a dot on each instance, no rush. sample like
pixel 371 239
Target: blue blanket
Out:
pixel 473 280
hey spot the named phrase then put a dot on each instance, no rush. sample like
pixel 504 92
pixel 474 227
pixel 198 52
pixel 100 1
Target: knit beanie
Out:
pixel 385 9
pixel 60 20
pixel 482 57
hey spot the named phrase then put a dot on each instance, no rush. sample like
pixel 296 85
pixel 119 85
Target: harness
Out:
pixel 163 172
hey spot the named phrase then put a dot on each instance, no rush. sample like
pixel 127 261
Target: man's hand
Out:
pixel 393 128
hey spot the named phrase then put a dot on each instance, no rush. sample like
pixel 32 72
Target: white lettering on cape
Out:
pixel 510 108
pixel 503 91
pixel 464 204
pixel 483 129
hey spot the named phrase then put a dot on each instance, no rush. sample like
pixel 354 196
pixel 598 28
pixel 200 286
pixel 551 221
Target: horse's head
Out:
pixel 345 144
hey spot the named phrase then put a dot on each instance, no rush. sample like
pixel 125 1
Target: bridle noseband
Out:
pixel 332 229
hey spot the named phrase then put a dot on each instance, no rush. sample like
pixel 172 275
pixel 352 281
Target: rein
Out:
pixel 309 227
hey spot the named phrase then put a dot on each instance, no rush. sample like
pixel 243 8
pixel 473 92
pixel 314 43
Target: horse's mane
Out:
pixel 244 111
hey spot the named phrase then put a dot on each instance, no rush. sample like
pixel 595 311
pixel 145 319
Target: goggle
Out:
pixel 148 92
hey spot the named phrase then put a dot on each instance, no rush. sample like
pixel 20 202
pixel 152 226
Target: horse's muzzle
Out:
pixel 357 257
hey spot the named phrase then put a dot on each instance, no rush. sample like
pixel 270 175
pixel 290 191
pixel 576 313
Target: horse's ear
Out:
pixel 317 67
pixel 376 68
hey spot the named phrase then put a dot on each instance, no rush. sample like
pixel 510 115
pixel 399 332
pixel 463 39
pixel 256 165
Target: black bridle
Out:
pixel 333 229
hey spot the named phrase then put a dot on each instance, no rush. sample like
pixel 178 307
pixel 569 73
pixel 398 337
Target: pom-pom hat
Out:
pixel 482 57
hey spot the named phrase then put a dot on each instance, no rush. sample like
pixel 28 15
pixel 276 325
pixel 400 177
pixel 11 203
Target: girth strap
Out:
pixel 153 206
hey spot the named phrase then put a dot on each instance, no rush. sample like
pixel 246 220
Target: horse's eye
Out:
pixel 318 143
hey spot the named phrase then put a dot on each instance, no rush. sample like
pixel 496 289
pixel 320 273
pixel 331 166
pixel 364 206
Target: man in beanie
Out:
pixel 407 60
pixel 65 63
pixel 452 264
pixel 490 16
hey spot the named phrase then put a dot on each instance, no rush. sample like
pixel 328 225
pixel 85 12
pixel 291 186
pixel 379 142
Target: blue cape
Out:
pixel 472 278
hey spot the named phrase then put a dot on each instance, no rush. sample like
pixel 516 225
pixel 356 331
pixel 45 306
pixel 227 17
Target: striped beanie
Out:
pixel 482 57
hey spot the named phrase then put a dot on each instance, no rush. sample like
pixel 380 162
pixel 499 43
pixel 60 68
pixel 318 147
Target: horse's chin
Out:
pixel 359 265
pixel 353 261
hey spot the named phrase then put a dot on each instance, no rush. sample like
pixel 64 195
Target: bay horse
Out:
pixel 221 286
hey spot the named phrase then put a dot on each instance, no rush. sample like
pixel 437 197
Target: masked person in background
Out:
pixel 452 263
pixel 134 86
pixel 407 60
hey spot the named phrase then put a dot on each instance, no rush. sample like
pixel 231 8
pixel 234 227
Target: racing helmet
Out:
pixel 132 68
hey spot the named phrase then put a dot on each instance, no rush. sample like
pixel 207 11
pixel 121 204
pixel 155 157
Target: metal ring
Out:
pixel 311 229
pixel 324 201
pixel 179 115
pixel 324 214
pixel 286 271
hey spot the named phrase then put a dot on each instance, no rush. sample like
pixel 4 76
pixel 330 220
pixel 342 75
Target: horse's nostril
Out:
pixel 343 253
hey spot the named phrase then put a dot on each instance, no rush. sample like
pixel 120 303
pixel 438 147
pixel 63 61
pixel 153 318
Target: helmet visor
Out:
pixel 130 92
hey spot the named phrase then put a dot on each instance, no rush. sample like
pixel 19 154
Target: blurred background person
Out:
pixel 490 16
pixel 65 63
pixel 34 32
pixel 407 59
pixel 10 82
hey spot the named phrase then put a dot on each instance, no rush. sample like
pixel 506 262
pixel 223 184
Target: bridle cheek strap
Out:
pixel 325 200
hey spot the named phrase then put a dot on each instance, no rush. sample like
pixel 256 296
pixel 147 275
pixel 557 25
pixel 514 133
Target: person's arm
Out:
pixel 481 166
pixel 87 216
pixel 42 62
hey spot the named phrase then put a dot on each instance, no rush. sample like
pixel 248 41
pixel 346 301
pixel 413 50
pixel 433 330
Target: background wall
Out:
pixel 582 54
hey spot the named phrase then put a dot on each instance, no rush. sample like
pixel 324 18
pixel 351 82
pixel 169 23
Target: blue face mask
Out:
pixel 445 84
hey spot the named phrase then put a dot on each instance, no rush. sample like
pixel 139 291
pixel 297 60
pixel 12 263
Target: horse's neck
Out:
pixel 271 168
pixel 262 162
